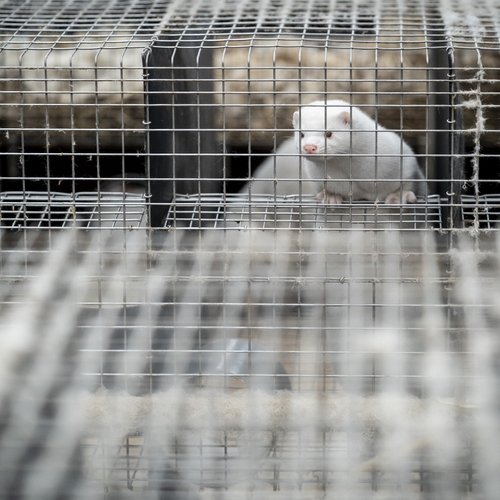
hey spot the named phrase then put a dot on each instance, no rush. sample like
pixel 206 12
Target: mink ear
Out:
pixel 345 116
pixel 296 120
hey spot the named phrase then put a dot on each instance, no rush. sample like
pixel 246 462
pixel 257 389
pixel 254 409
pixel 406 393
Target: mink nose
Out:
pixel 310 148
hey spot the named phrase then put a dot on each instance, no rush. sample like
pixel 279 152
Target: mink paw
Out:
pixel 329 198
pixel 401 197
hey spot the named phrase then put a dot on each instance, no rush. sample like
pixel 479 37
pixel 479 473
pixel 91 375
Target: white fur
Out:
pixel 358 159
pixel 280 174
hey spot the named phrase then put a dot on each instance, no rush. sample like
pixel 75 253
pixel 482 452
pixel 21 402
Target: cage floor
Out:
pixel 39 210
pixel 280 472
pixel 294 211
pixel 92 210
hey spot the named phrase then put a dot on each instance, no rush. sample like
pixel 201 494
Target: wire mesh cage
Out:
pixel 249 249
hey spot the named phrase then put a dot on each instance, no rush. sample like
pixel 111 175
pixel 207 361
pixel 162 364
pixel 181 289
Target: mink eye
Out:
pixel 302 135
pixel 328 134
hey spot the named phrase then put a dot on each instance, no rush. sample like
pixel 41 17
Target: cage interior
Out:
pixel 204 295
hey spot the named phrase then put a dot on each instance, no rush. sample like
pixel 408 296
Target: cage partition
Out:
pixel 208 289
pixel 180 117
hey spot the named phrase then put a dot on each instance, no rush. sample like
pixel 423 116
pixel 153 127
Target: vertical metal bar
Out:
pixel 447 123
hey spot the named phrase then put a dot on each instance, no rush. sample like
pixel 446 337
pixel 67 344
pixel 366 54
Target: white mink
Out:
pixel 347 154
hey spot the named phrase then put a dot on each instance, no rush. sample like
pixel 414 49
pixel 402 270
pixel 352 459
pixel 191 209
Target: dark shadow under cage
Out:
pixel 200 298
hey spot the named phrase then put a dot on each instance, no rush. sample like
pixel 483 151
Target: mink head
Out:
pixel 323 129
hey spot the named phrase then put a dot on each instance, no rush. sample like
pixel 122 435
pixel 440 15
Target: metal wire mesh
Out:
pixel 185 313
pixel 324 371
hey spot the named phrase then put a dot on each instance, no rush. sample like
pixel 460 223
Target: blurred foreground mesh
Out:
pixel 292 365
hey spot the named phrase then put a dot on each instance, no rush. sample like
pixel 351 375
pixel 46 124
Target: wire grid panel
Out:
pixel 295 211
pixel 339 366
pixel 186 319
pixel 270 63
pixel 62 210
pixel 216 86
